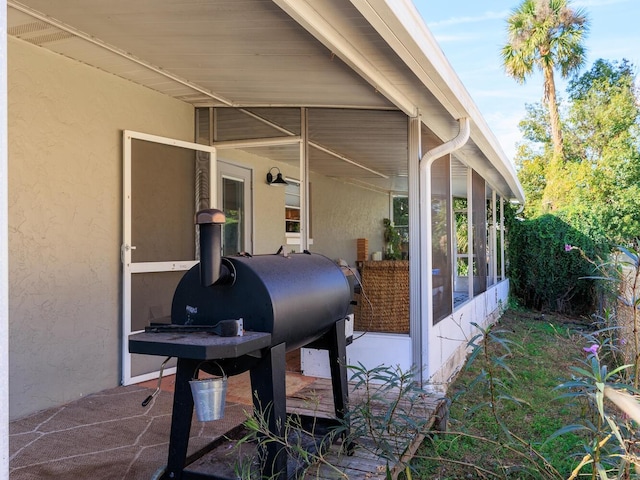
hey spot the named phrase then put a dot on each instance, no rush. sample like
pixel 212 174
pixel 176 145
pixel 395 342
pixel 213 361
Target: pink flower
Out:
pixel 568 248
pixel 593 349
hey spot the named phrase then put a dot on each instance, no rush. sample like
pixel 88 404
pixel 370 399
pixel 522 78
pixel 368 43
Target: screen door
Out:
pixel 165 182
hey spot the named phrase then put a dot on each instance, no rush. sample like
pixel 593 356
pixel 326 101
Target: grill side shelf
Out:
pixel 197 345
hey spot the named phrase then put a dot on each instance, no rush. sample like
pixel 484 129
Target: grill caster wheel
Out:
pixel 159 473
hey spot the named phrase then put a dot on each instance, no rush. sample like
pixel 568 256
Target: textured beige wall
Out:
pixel 268 202
pixel 343 213
pixel 65 186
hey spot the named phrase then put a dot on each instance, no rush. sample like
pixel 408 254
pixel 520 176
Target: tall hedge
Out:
pixel 549 258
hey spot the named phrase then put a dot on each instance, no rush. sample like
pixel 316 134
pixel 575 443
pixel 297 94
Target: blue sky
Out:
pixel 471 33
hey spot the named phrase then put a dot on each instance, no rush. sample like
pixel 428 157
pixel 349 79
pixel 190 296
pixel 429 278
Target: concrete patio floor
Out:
pixel 109 435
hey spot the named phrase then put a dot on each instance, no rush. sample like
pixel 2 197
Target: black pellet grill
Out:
pixel 285 302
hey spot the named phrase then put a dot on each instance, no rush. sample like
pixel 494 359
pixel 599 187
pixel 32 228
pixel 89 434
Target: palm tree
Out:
pixel 547 35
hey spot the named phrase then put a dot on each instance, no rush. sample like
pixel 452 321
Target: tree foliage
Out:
pixel 601 171
pixel 546 35
pixel 590 199
pixel 605 143
pixel 549 262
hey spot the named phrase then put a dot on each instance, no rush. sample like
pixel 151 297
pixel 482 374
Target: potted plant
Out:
pixel 393 241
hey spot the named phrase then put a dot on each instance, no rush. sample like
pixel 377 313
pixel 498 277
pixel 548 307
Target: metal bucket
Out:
pixel 209 397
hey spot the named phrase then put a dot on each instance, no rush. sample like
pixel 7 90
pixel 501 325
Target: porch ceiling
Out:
pixel 268 53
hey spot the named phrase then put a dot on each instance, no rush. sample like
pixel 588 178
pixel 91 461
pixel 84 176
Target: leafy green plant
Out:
pixel 493 433
pixel 302 442
pixel 387 410
pixel 544 276
pixel 491 364
pixel 393 240
pixel 605 447
pixel 609 446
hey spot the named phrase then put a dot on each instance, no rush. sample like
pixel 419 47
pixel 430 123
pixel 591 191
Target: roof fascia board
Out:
pixel 318 24
pixel 402 27
pixel 506 185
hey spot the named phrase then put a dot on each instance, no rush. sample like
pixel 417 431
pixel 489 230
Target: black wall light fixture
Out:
pixel 278 181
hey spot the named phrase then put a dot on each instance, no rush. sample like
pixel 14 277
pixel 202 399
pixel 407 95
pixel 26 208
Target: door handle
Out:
pixel 125 248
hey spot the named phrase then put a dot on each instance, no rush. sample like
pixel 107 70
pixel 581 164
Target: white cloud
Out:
pixel 504 126
pixel 460 20
pixel 451 38
pixel 514 93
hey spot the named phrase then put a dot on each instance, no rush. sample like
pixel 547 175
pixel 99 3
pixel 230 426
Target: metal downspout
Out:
pixel 426 260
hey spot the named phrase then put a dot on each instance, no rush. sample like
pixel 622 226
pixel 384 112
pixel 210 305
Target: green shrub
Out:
pixel 549 261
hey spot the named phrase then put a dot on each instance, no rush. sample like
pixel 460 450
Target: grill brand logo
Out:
pixel 191 311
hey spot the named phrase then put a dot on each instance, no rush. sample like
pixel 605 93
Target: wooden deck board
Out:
pixel 364 464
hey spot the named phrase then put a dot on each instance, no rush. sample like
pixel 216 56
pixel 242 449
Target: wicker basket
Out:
pixel 386 286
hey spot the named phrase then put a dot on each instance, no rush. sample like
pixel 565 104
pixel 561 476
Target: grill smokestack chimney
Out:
pixel 210 222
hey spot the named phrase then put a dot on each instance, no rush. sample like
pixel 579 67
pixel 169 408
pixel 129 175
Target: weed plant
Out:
pixel 585 427
pixel 504 407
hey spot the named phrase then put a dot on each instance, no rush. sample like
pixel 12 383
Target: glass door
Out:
pixel 234 198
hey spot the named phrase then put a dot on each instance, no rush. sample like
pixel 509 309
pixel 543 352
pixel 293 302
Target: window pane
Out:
pixel 499 237
pixel 233 207
pixel 292 205
pixel 490 235
pixel 401 222
pixel 461 277
pixel 441 238
pixel 479 220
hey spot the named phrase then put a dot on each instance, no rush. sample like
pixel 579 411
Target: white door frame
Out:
pixel 130 268
pixel 244 174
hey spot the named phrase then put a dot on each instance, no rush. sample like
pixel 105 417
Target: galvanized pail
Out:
pixel 209 397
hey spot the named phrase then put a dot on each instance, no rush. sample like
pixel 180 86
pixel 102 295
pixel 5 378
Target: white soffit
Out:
pixel 44 31
pixel 324 27
pixel 358 54
pixel 223 52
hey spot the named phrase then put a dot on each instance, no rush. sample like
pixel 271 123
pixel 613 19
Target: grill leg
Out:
pixel 337 348
pixel 180 419
pixel 269 398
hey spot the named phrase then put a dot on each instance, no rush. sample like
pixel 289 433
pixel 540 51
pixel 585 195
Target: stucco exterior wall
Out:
pixel 4 259
pixel 343 213
pixel 65 215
